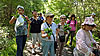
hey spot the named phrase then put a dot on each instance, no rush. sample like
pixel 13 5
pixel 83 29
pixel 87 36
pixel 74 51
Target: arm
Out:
pixel 81 43
pixel 57 31
pixel 12 20
pixel 43 34
pixel 28 30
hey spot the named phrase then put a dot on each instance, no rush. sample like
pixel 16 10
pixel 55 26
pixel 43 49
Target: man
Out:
pixel 48 41
pixel 20 29
pixel 41 17
pixel 35 30
pixel 93 15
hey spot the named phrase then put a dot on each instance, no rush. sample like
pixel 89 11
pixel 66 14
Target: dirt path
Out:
pixel 27 52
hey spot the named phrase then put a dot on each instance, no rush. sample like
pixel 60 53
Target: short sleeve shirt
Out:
pixel 35 25
pixel 53 27
pixel 22 29
pixel 72 24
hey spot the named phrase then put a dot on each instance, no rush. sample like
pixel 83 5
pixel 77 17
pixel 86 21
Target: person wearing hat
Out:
pixel 93 16
pixel 35 30
pixel 61 33
pixel 48 40
pixel 84 39
pixel 41 17
pixel 21 22
pixel 72 23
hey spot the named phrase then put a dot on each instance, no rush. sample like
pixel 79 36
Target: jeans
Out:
pixel 20 40
pixel 48 46
pixel 72 35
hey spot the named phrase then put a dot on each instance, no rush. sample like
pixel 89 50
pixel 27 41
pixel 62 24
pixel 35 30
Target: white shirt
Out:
pixel 19 21
pixel 83 41
pixel 53 27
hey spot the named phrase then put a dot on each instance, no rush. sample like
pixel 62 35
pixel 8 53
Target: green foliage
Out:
pixel 57 21
pixel 81 8
pixel 7 47
pixel 48 31
pixel 66 27
pixel 7 44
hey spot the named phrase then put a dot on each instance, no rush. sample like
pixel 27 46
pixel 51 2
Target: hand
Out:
pixel 92 54
pixel 66 32
pixel 98 47
pixel 28 35
pixel 14 18
pixel 48 36
pixel 26 17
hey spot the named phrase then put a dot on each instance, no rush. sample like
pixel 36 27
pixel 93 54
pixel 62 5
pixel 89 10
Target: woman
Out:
pixel 61 33
pixel 84 40
pixel 72 23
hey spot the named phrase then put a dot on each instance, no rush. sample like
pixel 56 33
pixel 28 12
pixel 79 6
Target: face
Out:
pixel 40 15
pixel 20 11
pixel 89 27
pixel 63 19
pixel 50 18
pixel 35 13
pixel 73 18
pixel 93 16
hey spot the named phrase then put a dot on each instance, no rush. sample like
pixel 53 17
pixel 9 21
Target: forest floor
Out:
pixel 28 50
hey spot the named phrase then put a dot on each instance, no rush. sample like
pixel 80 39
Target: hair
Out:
pixel 73 15
pixel 20 8
pixel 82 26
pixel 34 11
pixel 40 13
pixel 62 16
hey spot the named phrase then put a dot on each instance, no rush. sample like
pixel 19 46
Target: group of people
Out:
pixel 35 28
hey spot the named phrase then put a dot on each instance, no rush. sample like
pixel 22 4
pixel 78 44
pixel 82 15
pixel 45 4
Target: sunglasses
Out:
pixel 63 18
pixel 51 16
pixel 91 25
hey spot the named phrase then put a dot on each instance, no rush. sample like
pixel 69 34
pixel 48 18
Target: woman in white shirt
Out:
pixel 84 40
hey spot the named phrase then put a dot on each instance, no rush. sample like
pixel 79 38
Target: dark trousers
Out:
pixel 20 40
pixel 72 33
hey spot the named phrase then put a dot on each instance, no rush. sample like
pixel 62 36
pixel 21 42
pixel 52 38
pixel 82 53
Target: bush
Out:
pixel 7 45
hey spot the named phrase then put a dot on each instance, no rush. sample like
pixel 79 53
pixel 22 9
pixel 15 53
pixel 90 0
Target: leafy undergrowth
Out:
pixel 8 47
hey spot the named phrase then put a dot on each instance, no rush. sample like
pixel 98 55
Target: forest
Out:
pixel 81 8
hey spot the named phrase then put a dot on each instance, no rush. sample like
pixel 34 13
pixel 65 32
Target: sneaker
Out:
pixel 65 45
pixel 33 50
pixel 55 54
pixel 38 49
pixel 70 45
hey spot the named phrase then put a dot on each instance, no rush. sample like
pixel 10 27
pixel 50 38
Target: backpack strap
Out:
pixel 70 22
pixel 32 19
pixel 49 27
